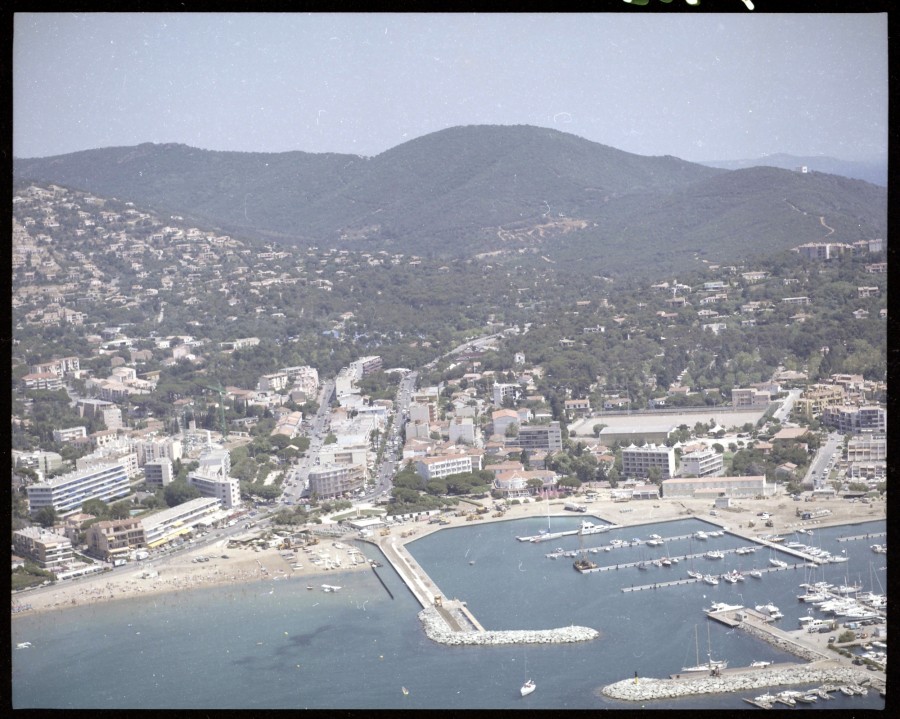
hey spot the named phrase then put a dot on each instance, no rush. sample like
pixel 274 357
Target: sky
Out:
pixel 701 87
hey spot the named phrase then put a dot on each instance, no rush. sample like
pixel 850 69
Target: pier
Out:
pixel 449 621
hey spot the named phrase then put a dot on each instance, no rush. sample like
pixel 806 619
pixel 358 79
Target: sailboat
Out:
pixel 692 573
pixel 711 663
pixel 529 685
pixel 583 564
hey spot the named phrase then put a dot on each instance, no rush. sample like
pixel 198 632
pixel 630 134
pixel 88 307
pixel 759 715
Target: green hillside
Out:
pixel 469 190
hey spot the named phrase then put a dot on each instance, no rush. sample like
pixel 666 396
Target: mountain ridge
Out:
pixel 459 192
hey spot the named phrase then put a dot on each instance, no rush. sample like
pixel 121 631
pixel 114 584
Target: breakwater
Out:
pixel 437 629
pixel 648 689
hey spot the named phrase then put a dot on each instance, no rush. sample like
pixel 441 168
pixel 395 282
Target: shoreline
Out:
pixel 175 574
pixel 171 575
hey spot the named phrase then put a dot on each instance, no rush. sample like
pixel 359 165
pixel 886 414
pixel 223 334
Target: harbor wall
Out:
pixel 645 689
pixel 437 630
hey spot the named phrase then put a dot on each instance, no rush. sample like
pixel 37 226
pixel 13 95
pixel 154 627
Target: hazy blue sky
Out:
pixel 698 86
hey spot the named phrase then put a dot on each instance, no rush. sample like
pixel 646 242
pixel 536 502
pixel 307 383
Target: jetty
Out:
pixel 641 689
pixel 449 621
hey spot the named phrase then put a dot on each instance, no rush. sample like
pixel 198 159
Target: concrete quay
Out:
pixel 739 680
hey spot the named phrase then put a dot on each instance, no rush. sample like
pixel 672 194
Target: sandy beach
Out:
pixel 180 573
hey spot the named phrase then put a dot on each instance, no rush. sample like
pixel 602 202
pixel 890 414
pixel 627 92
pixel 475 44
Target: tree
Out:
pixel 97 507
pixel 534 485
pixel 179 492
pixel 46 516
pixel 654 474
pixel 120 510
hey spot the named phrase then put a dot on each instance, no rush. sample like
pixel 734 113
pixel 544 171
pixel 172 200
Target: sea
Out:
pixel 284 645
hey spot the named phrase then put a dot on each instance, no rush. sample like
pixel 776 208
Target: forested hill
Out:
pixel 468 190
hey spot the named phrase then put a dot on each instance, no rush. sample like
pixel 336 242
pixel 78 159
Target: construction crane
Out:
pixel 221 391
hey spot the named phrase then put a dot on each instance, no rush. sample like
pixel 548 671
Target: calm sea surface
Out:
pixel 278 645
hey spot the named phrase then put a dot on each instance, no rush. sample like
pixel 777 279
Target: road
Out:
pixel 817 472
pixel 297 479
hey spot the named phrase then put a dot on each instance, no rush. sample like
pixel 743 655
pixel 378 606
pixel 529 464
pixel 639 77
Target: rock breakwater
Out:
pixel 647 689
pixel 437 630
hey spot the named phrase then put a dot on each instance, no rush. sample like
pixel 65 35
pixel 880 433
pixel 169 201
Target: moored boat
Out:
pixel 528 687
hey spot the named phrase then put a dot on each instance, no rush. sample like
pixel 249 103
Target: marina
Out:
pixel 423 567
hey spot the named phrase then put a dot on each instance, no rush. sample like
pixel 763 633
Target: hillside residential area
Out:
pixel 169 379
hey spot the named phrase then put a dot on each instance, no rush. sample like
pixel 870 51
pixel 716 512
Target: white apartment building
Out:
pixel 224 488
pixel 422 412
pixel 168 524
pixel 538 438
pixel 59 367
pixel 705 463
pixel 69 433
pixel 712 487
pixel 436 467
pixel 149 450
pixel 66 493
pixel 462 430
pixel 158 472
pixel 637 461
pixel 272 382
pixel 333 480
pixel 112 453
pixel 502 390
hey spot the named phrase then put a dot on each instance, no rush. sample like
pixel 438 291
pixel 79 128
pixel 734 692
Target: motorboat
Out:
pixel 695 575
pixel 759 664
pixel 714 554
pixel 755 573
pixel 777 563
pixel 710 579
pixel 722 607
pixel 528 687
pixel 700 535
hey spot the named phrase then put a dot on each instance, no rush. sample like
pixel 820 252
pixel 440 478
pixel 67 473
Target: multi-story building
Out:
pixel 462 430
pixel 637 461
pixel 43 462
pixel 712 487
pixel 112 453
pixel 171 523
pixel 369 365
pixel 867 449
pixel 749 397
pixel 437 467
pixel 705 463
pixel 114 538
pixel 158 472
pixel 817 397
pixel 48 550
pixel 502 419
pixel 149 450
pixel 334 480
pixel 59 367
pixel 538 438
pixel 502 391
pixel 224 488
pixel 66 493
pixel 822 250
pixel 422 412
pixel 69 434
pixel 850 420
pixel 42 380
pixel 272 382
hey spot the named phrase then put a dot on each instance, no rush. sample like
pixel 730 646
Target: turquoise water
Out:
pixel 277 645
